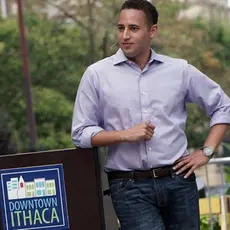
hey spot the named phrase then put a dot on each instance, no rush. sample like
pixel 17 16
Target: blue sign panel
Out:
pixel 34 198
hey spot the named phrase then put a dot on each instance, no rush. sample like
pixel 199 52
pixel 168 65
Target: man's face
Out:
pixel 134 33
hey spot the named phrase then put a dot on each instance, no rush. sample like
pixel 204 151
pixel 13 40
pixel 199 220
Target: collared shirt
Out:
pixel 115 94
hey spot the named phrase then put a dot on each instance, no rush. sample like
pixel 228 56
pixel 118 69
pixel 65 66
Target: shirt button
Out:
pixel 149 149
pixel 144 93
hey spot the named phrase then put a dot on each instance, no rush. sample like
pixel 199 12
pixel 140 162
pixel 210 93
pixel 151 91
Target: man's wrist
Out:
pixel 123 136
pixel 207 150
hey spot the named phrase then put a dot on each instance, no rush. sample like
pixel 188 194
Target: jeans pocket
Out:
pixel 189 180
pixel 118 185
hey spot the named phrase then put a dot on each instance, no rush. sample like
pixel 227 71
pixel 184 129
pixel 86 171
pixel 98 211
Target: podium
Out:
pixel 41 189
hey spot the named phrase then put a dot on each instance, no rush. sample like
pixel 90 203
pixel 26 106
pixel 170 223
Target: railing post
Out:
pixel 224 219
pixel 209 198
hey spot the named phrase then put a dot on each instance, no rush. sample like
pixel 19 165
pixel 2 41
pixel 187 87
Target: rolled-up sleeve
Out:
pixel 208 95
pixel 86 114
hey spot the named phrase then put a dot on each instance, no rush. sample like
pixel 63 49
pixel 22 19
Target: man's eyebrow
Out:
pixel 120 25
pixel 134 25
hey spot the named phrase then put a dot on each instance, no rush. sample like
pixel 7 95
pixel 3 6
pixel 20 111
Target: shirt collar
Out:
pixel 120 57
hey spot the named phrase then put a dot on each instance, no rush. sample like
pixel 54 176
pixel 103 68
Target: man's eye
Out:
pixel 134 28
pixel 120 28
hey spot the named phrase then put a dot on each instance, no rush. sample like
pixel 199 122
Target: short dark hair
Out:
pixel 148 8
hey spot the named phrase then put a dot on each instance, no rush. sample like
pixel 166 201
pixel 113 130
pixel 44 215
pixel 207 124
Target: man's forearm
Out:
pixel 143 131
pixel 105 138
pixel 198 159
pixel 216 135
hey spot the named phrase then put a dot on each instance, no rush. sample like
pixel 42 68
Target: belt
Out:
pixel 137 174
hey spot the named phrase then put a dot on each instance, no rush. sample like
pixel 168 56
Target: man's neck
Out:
pixel 142 60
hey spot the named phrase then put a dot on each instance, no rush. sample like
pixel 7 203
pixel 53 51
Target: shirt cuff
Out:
pixel 87 135
pixel 220 119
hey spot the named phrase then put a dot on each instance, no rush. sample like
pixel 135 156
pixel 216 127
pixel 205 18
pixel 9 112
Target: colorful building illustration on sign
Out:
pixel 17 188
pixel 34 198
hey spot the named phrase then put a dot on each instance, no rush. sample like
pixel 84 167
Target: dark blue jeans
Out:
pixel 156 204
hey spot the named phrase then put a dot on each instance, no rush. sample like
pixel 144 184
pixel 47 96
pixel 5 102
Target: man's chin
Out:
pixel 129 54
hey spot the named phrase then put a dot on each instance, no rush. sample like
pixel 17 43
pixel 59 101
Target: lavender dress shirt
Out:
pixel 115 94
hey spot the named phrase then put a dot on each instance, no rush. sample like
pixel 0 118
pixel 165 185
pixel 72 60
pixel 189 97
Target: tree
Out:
pixel 57 61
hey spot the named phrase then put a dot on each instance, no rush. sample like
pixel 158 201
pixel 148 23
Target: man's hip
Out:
pixel 168 201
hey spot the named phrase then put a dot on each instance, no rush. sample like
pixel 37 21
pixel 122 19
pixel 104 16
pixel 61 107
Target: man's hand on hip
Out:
pixel 139 132
pixel 192 162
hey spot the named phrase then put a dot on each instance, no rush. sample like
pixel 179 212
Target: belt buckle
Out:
pixel 154 173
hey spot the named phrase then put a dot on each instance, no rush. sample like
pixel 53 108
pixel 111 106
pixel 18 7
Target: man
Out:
pixel 134 103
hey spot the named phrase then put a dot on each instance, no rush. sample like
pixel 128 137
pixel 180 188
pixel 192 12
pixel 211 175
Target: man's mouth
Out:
pixel 127 44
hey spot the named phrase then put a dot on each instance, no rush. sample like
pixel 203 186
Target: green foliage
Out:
pixel 205 223
pixel 227 146
pixel 53 112
pixel 169 9
pixel 57 61
pixel 57 58
pixel 197 126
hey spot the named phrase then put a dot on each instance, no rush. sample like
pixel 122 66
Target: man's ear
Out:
pixel 153 30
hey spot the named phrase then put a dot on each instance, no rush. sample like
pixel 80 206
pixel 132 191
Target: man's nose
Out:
pixel 126 34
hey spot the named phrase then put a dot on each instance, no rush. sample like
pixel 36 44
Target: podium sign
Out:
pixel 33 198
pixel 58 189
